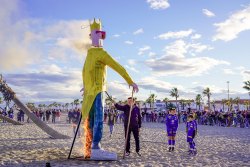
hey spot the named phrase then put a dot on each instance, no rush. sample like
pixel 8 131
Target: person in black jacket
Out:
pixel 135 123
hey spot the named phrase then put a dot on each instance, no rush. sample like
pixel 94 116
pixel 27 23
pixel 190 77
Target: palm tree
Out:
pixel 40 106
pixel 213 104
pixel 223 101
pixel 63 106
pixel 59 105
pixel 174 93
pixel 72 104
pixel 247 103
pixel 76 102
pixel 237 102
pixel 230 104
pixel 66 105
pixel 188 102
pixel 108 101
pixel 166 101
pixel 206 92
pixel 1 101
pixel 247 87
pixel 31 106
pixel 198 99
pixel 183 103
pixel 44 106
pixel 151 100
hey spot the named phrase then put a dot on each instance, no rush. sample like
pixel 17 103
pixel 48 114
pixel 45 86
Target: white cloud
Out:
pixel 196 36
pixel 22 43
pixel 228 71
pixel 139 31
pixel 177 48
pixel 208 13
pixel 51 69
pixel 143 49
pixel 235 24
pixel 175 35
pixel 158 4
pixel 174 62
pixel 47 85
pixel 131 68
pixel 116 35
pixel 15 38
pixel 129 42
pixel 152 83
pixel 246 75
pixel 198 48
pixel 118 90
pixel 151 54
pixel 131 62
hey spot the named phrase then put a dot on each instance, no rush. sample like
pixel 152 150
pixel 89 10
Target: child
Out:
pixel 191 129
pixel 111 121
pixel 171 126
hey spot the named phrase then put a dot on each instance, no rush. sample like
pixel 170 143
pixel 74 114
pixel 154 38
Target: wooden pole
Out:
pixel 126 139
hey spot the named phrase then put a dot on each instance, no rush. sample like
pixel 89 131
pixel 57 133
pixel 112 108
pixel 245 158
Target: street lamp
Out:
pixel 228 94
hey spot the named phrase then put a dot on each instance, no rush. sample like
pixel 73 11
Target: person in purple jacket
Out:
pixel 171 127
pixel 191 130
pixel 135 123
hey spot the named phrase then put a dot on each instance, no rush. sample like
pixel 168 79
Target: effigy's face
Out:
pixel 97 37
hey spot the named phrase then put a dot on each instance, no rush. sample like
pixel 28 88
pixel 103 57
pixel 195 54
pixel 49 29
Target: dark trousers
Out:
pixel 135 131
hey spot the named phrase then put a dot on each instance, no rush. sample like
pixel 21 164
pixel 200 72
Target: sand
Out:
pixel 27 146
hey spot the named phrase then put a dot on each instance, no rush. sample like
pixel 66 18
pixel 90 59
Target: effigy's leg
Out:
pixel 98 121
pixel 88 139
pixel 93 133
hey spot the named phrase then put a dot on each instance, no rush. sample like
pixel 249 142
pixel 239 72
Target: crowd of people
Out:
pixel 213 118
pixel 218 118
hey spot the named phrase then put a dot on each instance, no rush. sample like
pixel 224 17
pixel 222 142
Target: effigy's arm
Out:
pixel 108 60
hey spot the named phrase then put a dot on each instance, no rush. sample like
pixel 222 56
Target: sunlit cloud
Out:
pixel 158 4
pixel 233 26
pixel 139 31
pixel 208 13
pixel 176 34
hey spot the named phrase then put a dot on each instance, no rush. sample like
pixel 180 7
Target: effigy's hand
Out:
pixel 135 87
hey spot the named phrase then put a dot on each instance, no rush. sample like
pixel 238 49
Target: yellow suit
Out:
pixel 94 76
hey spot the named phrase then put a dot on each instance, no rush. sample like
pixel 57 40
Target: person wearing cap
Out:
pixel 191 129
pixel 171 127
pixel 135 123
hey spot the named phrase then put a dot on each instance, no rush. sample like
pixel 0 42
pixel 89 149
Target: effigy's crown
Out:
pixel 95 25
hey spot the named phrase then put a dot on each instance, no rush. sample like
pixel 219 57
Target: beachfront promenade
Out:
pixel 27 145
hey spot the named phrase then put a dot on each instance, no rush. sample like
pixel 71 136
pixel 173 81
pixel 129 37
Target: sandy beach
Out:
pixel 28 146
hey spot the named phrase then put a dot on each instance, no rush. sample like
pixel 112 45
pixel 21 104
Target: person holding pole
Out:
pixel 134 125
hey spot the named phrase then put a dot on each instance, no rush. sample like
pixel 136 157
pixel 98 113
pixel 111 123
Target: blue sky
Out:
pixel 162 44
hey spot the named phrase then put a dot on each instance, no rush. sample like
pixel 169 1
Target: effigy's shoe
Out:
pixel 102 155
pixel 169 149
pixel 172 149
